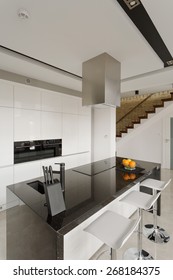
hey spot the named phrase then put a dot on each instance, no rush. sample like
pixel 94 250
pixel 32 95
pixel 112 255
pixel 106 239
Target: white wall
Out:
pixel 150 141
pixel 28 113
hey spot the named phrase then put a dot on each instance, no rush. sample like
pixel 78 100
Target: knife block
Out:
pixel 54 198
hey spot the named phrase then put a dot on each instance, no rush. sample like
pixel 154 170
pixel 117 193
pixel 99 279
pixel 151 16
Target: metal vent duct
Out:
pixel 101 81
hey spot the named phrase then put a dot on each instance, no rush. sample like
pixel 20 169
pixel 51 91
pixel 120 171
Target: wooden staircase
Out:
pixel 134 109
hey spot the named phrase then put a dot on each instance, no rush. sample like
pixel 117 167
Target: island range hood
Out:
pixel 101 81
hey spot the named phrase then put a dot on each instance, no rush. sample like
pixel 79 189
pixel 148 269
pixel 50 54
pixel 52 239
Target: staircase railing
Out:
pixel 141 110
pixel 134 108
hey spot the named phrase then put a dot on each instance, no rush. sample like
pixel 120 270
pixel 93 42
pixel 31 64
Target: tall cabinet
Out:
pixel 28 113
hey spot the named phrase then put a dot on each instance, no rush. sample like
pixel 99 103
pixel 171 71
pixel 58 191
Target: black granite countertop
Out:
pixel 88 188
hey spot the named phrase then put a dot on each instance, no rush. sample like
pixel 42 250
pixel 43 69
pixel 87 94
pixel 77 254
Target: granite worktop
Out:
pixel 88 188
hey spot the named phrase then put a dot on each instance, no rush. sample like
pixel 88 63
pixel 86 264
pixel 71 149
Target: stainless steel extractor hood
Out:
pixel 101 81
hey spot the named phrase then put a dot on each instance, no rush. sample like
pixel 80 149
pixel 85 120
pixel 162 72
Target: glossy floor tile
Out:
pixel 158 251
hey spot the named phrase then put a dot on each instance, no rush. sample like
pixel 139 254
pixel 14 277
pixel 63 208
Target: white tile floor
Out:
pixel 158 251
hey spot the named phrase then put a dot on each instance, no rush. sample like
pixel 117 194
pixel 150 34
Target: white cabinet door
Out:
pixel 51 101
pixel 27 97
pixel 6 178
pixel 70 134
pixel 83 158
pixel 6 94
pixel 84 134
pixel 26 171
pixel 70 104
pixel 51 125
pixel 26 125
pixel 6 138
pixel 70 161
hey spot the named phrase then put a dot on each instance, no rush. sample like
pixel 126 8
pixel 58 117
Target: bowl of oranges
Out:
pixel 129 164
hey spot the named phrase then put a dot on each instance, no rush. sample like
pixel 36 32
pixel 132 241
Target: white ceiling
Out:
pixel 65 33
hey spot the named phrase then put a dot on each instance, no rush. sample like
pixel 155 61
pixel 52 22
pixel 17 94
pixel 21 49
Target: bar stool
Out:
pixel 142 201
pixel 152 231
pixel 112 229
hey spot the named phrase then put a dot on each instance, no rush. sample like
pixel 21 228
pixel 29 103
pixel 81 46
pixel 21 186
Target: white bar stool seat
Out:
pixel 112 229
pixel 154 232
pixel 142 201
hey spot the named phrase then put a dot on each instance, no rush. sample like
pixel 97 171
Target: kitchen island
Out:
pixel 89 190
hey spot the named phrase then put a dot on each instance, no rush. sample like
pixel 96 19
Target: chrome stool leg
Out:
pixel 138 253
pixel 154 232
pixel 113 254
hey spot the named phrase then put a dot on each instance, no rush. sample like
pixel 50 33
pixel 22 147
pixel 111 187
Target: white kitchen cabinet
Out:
pixel 70 104
pixel 70 161
pixel 6 138
pixel 84 134
pixel 51 125
pixel 83 158
pixel 6 94
pixel 26 125
pixel 26 171
pixel 51 101
pixel 27 97
pixel 70 134
pixel 6 178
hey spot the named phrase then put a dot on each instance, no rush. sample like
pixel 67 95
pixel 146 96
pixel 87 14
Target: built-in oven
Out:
pixel 37 149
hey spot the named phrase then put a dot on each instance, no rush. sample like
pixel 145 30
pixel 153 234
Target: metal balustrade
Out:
pixel 135 108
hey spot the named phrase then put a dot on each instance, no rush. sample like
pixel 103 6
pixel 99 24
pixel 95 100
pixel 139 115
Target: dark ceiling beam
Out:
pixel 143 22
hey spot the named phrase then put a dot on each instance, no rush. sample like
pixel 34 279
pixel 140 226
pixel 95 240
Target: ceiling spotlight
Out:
pixel 132 3
pixel 23 14
pixel 170 62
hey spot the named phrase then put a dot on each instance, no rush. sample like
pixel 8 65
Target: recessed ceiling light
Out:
pixel 23 14
pixel 170 62
pixel 132 3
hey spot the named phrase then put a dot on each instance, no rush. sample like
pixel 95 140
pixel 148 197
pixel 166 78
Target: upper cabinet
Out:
pixel 51 101
pixel 27 125
pixel 6 94
pixel 70 104
pixel 51 125
pixel 70 134
pixel 26 97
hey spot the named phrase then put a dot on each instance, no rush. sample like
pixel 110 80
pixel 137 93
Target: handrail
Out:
pixel 134 108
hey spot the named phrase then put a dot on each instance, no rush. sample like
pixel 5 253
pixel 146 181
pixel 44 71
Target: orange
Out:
pixel 132 164
pixel 126 176
pixel 132 176
pixel 125 162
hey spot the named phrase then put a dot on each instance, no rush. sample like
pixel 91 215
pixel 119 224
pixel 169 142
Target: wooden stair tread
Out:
pixel 140 112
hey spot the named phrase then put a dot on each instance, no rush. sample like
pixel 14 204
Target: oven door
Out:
pixel 34 150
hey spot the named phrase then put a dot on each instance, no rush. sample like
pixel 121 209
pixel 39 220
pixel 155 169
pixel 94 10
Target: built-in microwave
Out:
pixel 37 149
